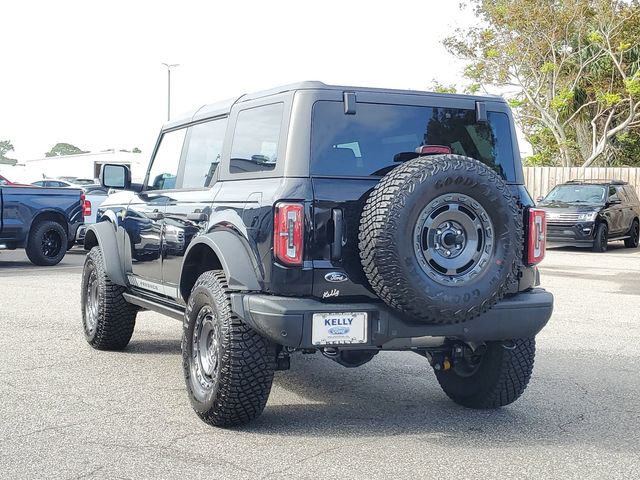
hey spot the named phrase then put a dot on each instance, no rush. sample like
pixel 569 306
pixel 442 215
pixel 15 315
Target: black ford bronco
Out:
pixel 340 220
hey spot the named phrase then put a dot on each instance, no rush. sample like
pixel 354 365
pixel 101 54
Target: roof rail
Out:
pixel 598 181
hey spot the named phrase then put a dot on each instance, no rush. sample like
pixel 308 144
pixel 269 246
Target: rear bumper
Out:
pixel 80 234
pixel 73 229
pixel 287 321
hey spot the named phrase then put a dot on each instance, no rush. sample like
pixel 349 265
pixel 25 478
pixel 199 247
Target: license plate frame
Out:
pixel 343 328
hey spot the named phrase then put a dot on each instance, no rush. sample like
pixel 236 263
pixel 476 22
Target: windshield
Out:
pixel 576 194
pixel 380 136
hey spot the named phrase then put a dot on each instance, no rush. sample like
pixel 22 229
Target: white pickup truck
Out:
pixel 93 198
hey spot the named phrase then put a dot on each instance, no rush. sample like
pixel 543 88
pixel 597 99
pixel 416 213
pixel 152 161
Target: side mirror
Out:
pixel 115 176
pixel 614 201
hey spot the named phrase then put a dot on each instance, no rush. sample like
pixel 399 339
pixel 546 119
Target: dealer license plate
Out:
pixel 339 328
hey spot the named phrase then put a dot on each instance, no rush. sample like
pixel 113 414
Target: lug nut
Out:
pixel 448 252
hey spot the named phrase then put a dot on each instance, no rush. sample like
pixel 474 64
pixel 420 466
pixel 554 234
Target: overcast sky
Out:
pixel 90 73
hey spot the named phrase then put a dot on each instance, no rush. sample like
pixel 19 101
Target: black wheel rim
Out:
pixel 636 234
pixel 467 367
pixel 206 342
pixel 51 243
pixel 91 306
pixel 453 239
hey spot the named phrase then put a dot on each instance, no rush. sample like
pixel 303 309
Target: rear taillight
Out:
pixel 288 229
pixel 86 208
pixel 537 236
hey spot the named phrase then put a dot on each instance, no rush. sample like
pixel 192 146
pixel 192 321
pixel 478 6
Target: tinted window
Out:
pixel 576 194
pixel 613 194
pixel 164 168
pixel 378 137
pixel 622 194
pixel 255 140
pixel 203 151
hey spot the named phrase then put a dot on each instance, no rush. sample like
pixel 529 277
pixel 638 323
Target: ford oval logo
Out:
pixel 336 277
pixel 339 330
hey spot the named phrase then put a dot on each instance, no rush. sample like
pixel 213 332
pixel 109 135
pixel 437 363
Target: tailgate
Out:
pixel 337 207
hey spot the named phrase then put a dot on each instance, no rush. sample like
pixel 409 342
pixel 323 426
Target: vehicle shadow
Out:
pixel 615 248
pixel 150 347
pixel 390 398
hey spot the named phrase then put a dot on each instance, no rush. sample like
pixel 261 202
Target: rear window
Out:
pixel 372 142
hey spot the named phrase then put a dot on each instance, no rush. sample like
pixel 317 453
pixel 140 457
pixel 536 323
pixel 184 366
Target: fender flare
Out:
pixel 104 235
pixel 235 256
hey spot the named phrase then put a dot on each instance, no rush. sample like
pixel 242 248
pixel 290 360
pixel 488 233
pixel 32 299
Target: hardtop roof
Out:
pixel 223 107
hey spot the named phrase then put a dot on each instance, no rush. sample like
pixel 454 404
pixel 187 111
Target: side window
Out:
pixel 622 194
pixel 613 194
pixel 202 153
pixel 164 168
pixel 255 140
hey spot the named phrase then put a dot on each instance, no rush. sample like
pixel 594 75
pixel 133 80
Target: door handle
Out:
pixel 197 217
pixel 338 230
pixel 155 215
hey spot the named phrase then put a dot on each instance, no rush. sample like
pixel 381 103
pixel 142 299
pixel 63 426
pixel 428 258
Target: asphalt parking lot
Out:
pixel 68 411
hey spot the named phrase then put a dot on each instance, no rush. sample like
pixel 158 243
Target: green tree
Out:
pixel 5 147
pixel 573 65
pixel 64 149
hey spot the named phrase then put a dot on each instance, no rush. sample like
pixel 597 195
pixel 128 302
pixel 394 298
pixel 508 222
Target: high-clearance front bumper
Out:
pixel 287 321
pixel 574 234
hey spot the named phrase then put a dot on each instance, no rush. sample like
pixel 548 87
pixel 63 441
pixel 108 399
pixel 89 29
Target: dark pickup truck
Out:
pixel 43 221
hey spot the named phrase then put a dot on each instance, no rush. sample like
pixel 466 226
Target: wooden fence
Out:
pixel 540 180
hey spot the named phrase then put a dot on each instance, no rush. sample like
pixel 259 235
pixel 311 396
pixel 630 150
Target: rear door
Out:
pixel 350 153
pixel 188 209
pixel 143 221
pixel 615 211
pixel 628 213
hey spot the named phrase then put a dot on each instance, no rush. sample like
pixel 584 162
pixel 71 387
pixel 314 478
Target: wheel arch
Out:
pixel 103 234
pixel 219 250
pixel 50 215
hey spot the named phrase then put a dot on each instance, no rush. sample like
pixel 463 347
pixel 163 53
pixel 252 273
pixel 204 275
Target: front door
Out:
pixel 189 209
pixel 144 220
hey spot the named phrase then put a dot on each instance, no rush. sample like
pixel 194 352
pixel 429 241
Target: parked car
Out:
pixel 592 213
pixel 339 220
pixel 6 181
pixel 53 183
pixel 42 221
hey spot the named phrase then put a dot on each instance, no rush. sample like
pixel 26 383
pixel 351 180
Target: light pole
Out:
pixel 169 66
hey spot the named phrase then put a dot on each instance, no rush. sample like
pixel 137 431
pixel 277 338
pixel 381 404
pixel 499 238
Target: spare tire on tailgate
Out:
pixel 441 238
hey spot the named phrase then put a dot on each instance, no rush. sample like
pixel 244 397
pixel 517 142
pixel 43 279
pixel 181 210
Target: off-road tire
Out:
pixel 600 239
pixel 246 360
pixel 387 248
pixel 115 318
pixel 35 245
pixel 634 235
pixel 501 377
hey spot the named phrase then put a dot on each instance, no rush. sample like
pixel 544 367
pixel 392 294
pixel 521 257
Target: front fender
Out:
pixel 103 234
pixel 235 256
